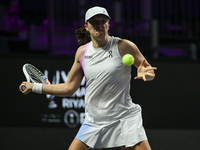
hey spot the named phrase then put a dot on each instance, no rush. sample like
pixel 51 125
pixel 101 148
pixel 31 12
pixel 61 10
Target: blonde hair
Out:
pixel 82 36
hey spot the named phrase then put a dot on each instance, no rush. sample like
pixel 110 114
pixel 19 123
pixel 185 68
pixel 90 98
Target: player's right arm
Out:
pixel 64 89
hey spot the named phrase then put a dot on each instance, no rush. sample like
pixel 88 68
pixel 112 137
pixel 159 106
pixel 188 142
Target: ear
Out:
pixel 108 26
pixel 86 27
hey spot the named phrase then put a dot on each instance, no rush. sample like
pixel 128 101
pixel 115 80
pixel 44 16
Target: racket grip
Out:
pixel 23 87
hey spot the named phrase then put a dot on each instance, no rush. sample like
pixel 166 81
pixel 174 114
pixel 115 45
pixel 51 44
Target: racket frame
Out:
pixel 29 79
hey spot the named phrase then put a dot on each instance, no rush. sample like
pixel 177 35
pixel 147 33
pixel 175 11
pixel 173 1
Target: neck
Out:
pixel 99 43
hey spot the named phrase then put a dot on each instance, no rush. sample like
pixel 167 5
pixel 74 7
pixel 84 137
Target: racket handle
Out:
pixel 23 87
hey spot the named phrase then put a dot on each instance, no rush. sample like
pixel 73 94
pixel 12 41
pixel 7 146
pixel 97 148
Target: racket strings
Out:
pixel 35 74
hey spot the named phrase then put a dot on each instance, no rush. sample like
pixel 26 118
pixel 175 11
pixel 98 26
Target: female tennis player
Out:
pixel 112 119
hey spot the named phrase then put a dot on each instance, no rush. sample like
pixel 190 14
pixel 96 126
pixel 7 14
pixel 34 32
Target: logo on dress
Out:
pixel 110 54
pixel 88 57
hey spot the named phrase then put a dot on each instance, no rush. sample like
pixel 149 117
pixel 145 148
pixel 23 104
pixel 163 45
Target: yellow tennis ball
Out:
pixel 128 59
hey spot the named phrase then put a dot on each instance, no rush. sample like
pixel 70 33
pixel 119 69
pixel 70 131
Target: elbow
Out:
pixel 68 92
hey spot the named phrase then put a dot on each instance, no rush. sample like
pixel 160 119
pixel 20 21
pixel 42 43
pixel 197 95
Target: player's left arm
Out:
pixel 144 70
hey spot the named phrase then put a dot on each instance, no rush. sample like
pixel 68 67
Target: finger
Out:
pixel 26 92
pixel 142 63
pixel 152 68
pixel 144 78
pixel 150 74
pixel 138 77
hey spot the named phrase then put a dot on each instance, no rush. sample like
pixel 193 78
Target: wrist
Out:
pixel 37 88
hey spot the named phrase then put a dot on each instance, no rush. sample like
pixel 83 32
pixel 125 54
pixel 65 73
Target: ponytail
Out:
pixel 82 36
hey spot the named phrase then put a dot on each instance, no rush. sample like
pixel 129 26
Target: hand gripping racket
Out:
pixel 33 75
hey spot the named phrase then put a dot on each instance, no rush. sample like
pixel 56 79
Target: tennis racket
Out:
pixel 33 75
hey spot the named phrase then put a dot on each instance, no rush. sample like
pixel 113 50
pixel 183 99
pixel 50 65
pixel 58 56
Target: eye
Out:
pixel 104 21
pixel 93 22
pixel 97 22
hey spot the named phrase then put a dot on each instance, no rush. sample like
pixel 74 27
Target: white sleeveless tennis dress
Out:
pixel 111 119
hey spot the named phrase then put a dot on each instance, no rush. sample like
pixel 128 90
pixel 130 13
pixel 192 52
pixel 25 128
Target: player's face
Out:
pixel 98 26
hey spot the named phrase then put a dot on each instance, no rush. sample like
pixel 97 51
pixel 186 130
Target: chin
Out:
pixel 100 34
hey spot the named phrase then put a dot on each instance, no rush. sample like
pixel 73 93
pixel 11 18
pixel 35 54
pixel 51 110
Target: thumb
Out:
pixel 142 63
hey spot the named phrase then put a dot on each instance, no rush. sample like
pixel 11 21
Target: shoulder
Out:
pixel 79 53
pixel 125 46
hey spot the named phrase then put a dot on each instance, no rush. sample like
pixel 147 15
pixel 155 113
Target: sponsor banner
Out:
pixel 161 99
pixel 71 110
pixel 39 110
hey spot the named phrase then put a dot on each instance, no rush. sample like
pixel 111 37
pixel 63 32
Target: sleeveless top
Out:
pixel 107 95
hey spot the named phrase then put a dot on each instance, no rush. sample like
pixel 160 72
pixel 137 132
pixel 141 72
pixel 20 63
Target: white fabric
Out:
pixel 37 88
pixel 123 132
pixel 109 109
pixel 107 95
pixel 95 11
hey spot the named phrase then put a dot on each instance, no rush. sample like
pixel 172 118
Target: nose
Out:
pixel 97 26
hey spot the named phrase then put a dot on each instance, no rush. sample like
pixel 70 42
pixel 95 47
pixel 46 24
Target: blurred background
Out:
pixel 42 32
